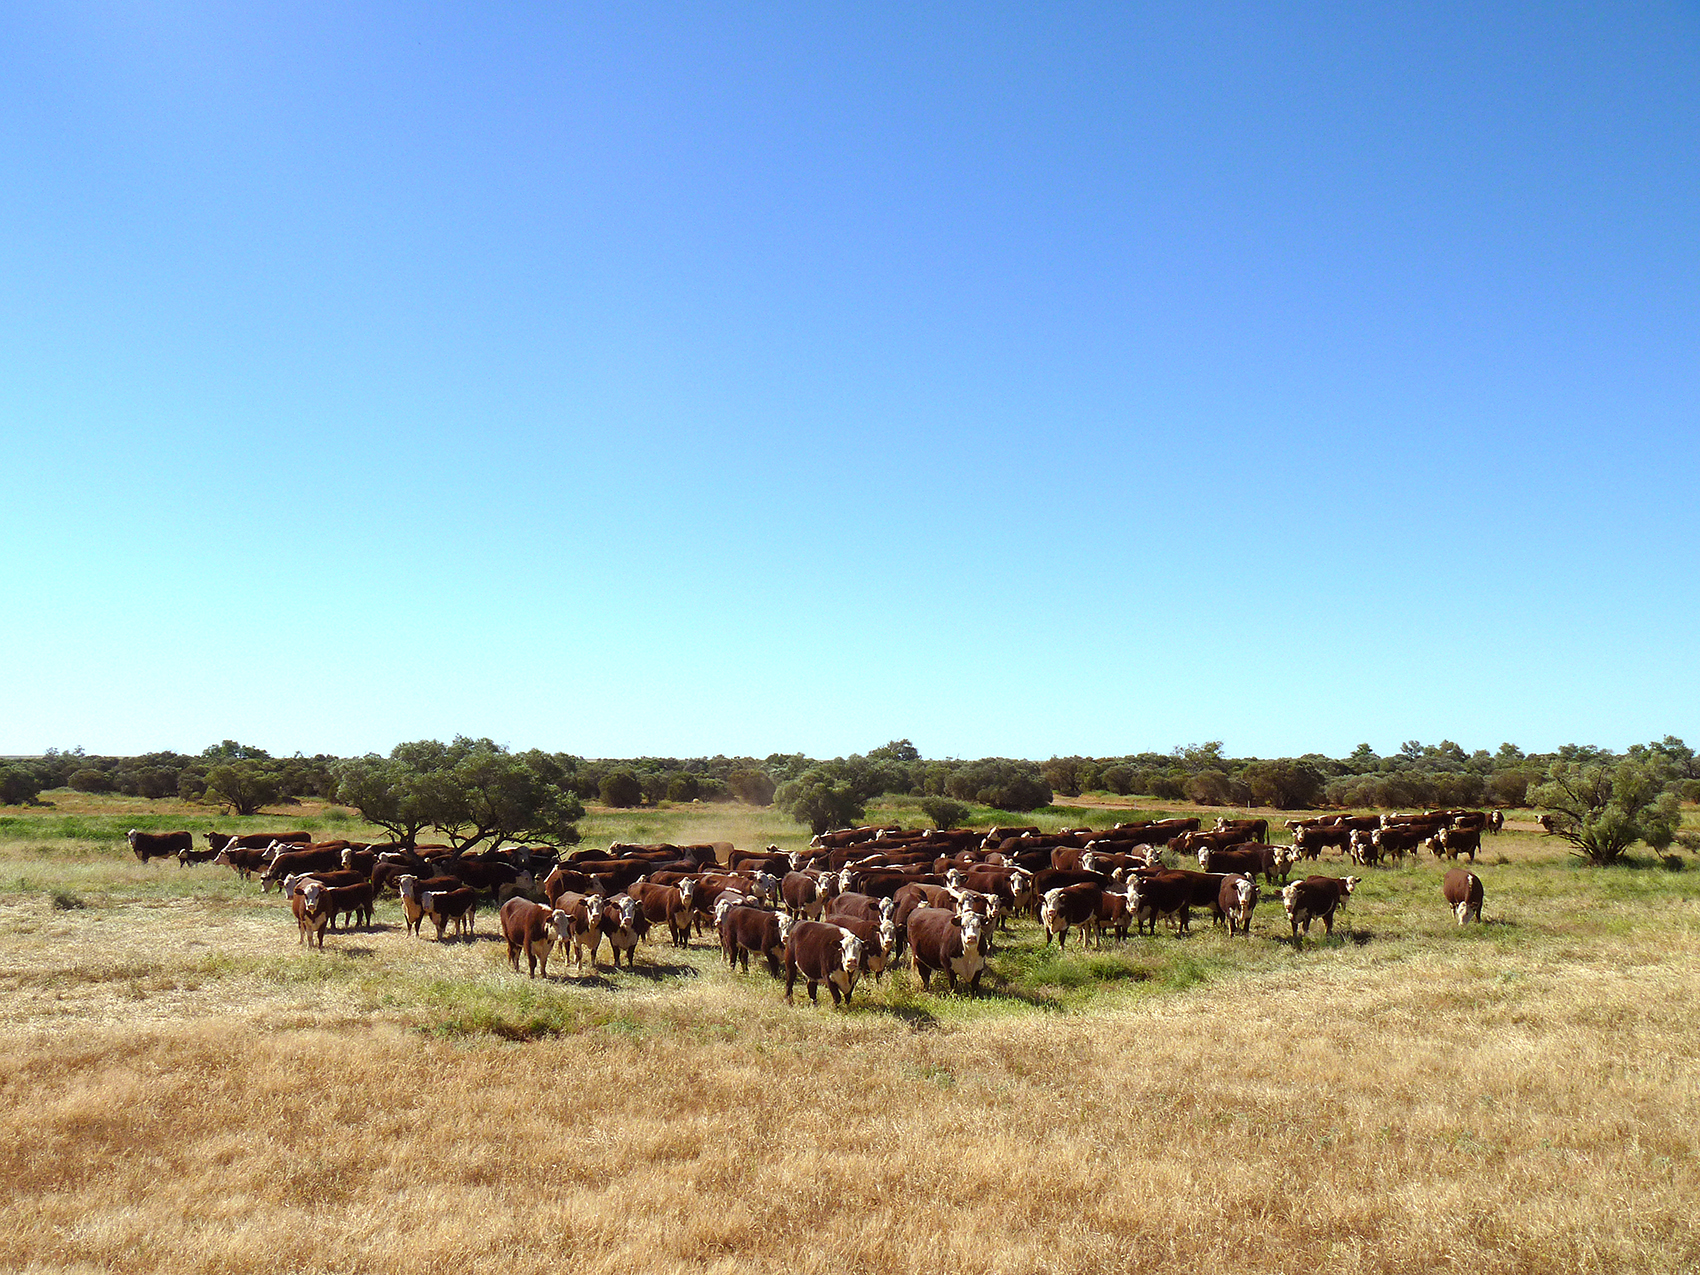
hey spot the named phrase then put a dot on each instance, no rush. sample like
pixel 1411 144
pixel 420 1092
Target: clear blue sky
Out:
pixel 679 380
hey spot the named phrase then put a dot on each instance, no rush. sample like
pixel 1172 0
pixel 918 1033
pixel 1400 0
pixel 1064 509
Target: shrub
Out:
pixel 244 786
pixel 18 786
pixel 1285 784
pixel 1119 780
pixel 683 787
pixel 944 812
pixel 1604 807
pixel 819 800
pixel 621 789
pixel 753 786
pixel 1215 788
pixel 88 779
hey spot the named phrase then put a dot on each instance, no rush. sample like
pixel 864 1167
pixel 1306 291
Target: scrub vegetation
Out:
pixel 185 1088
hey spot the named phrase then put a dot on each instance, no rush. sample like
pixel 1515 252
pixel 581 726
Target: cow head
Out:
pixel 954 878
pixel 312 893
pixel 1087 860
pixel 1245 890
pixel 406 885
pixel 628 911
pixel 972 928
pixel 850 951
pixel 787 923
pixel 1351 883
pixel 687 891
pixel 888 908
pixel 1204 858
pixel 844 881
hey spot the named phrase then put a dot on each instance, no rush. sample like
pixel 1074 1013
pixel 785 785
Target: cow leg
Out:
pixel 951 975
pixel 813 999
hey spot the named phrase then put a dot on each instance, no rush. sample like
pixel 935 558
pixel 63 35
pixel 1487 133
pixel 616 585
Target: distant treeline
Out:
pixel 243 777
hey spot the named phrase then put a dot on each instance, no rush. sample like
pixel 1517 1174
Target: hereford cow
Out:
pixel 526 926
pixel 457 904
pixel 1309 840
pixel 159 845
pixel 1455 841
pixel 1236 900
pixel 878 942
pixel 745 928
pixel 1069 905
pixel 1463 891
pixel 1314 898
pixel 310 914
pixel 943 940
pixel 669 904
pixel 577 919
pixel 1156 895
pixel 822 953
pixel 624 924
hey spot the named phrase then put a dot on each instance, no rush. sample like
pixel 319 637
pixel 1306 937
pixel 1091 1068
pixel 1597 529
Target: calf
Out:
pixel 624 924
pixel 311 916
pixel 1463 891
pixel 942 940
pixel 527 927
pixel 577 919
pixel 1236 899
pixel 1315 898
pixel 822 953
pixel 458 904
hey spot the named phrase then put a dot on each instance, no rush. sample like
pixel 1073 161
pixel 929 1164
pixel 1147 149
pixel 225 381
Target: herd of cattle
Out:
pixel 856 901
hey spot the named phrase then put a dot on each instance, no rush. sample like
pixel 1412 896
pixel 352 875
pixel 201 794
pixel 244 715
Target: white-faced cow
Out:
pixel 1463 890
pixel 822 953
pixel 1315 898
pixel 1237 900
pixel 943 940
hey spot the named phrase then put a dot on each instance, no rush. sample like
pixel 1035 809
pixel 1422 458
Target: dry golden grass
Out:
pixel 184 1089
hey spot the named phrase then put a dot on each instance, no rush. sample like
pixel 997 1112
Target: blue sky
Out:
pixel 738 379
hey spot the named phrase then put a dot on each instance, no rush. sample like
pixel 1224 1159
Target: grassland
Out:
pixel 186 1089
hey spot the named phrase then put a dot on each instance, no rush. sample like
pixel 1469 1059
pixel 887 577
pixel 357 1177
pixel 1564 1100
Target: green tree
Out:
pixel 19 786
pixel 1603 807
pixel 818 799
pixel 489 796
pixel 1285 784
pixel 90 779
pixel 621 789
pixel 755 787
pixel 944 812
pixel 897 750
pixel 683 787
pixel 387 791
pixel 244 786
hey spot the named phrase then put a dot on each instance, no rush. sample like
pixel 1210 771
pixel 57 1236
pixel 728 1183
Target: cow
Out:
pixel 159 845
pixel 668 903
pixel 802 895
pixel 1463 891
pixel 1316 897
pixel 1156 895
pixel 457 904
pixel 1454 841
pixel 1396 840
pixel 624 924
pixel 186 857
pixel 1496 822
pixel 1254 829
pixel 1271 861
pixel 1236 899
pixel 527 928
pixel 745 928
pixel 822 953
pixel 1066 906
pixel 854 904
pixel 311 915
pixel 943 940
pixel 310 859
pixel 577 919
pixel 1548 825
pixel 1309 840
pixel 879 942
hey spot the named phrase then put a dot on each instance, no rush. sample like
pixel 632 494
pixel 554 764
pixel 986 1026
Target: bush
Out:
pixel 944 812
pixel 1285 784
pixel 683 787
pixel 1215 788
pixel 1003 785
pixel 244 786
pixel 18 786
pixel 621 789
pixel 88 779
pixel 819 800
pixel 1119 780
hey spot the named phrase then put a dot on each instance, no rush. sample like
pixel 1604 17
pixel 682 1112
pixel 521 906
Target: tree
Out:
pixel 90 779
pixel 620 788
pixel 818 799
pixel 896 750
pixel 388 792
pixel 944 812
pixel 490 795
pixel 1119 780
pixel 1285 784
pixel 1603 807
pixel 683 787
pixel 244 786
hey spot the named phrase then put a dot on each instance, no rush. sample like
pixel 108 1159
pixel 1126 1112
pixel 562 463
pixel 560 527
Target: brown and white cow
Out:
pixel 745 928
pixel 1236 900
pixel 527 928
pixel 1074 905
pixel 1455 841
pixel 624 925
pixel 311 915
pixel 458 904
pixel 1315 898
pixel 822 953
pixel 943 940
pixel 577 919
pixel 1463 891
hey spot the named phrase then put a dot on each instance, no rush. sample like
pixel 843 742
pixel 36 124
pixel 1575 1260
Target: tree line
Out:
pixel 476 792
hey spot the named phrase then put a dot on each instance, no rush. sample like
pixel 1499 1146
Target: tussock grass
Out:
pixel 184 1088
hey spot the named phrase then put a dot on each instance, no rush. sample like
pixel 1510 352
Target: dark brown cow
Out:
pixel 1397 840
pixel 1065 906
pixel 1316 897
pixel 822 953
pixel 745 928
pixel 1152 896
pixel 802 895
pixel 353 901
pixel 1250 829
pixel 1236 901
pixel 1463 891
pixel 288 863
pixel 1250 860
pixel 862 905
pixel 527 928
pixel 624 925
pixel 1455 841
pixel 940 939
pixel 159 845
pixel 1309 840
